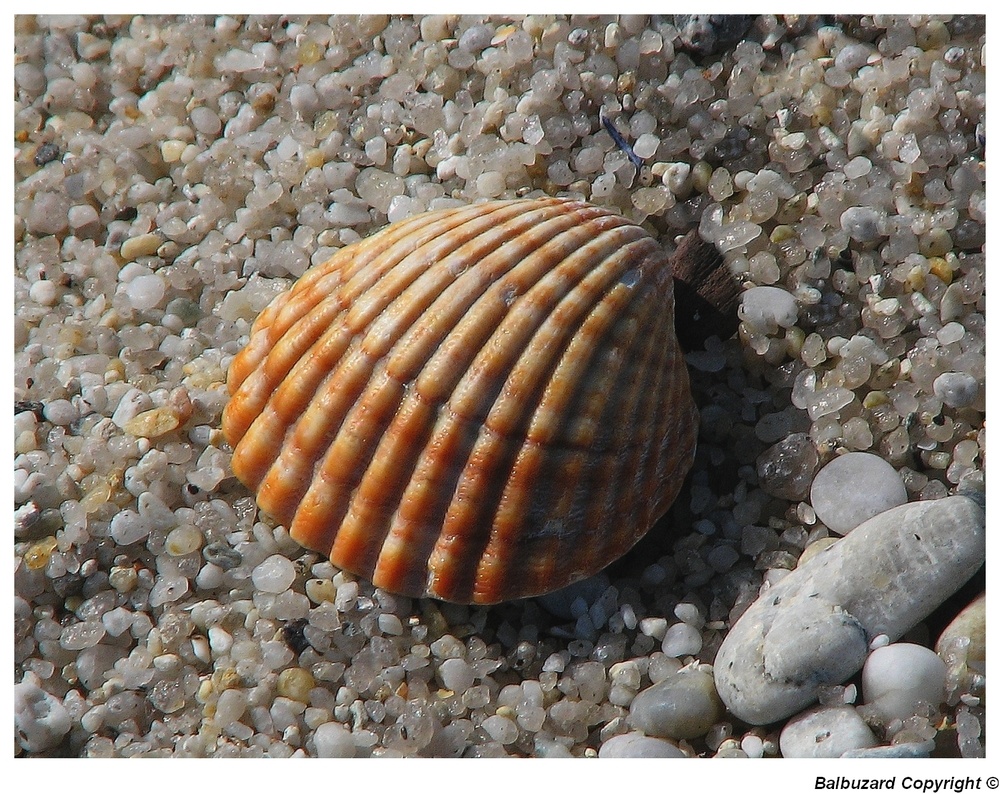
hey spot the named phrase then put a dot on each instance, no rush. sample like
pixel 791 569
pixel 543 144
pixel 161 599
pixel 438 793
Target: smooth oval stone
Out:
pixel 825 733
pixel 635 745
pixel 812 629
pixel 897 678
pixel 681 706
pixel 853 488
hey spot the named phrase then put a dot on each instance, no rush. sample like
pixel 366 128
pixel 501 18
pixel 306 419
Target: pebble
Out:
pixel 635 745
pixel 274 575
pixel 333 741
pixel 131 404
pixel 767 308
pixel 500 728
pixel 145 292
pixel 812 629
pixel 705 34
pixel 862 223
pixel 153 423
pixel 295 683
pixel 681 639
pixel 825 733
pixel 456 674
pixel 230 707
pixel 44 293
pixel 60 412
pixel 785 470
pixel 40 718
pixel 143 245
pixel 681 706
pixel 897 678
pixel 128 527
pixel 956 389
pixel 854 487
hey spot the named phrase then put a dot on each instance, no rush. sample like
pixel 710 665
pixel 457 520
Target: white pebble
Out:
pixel 81 215
pixel 44 292
pixel 390 624
pixel 456 675
pixel 752 745
pixel 767 308
pixel 205 120
pixel 131 404
pixel 85 634
pixel 825 733
pixel 635 745
pixel 40 718
pixel 681 639
pixel 230 707
pixel 274 575
pixel 897 678
pixel 646 145
pixel 145 292
pixel 220 640
pixel 500 729
pixel 854 487
pixel 167 590
pixel 333 741
pixel 128 527
pixel 117 621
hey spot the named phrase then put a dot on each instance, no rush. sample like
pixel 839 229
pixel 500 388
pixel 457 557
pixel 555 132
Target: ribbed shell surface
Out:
pixel 474 404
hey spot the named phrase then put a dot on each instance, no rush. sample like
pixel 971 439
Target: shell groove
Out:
pixel 474 404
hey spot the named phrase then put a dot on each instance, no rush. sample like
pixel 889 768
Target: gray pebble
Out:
pixel 786 469
pixel 813 628
pixel 956 389
pixel 825 733
pixel 476 38
pixel 61 412
pixel 635 745
pixel 705 34
pixel 862 223
pixel 681 706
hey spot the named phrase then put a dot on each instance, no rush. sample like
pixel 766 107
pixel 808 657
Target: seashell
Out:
pixel 474 404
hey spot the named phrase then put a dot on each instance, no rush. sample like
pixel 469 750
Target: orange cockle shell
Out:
pixel 474 404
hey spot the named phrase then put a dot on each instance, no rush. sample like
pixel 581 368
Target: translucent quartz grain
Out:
pixel 274 575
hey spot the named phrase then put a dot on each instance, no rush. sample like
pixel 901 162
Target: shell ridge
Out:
pixel 658 401
pixel 457 416
pixel 323 351
pixel 378 534
pixel 538 359
pixel 602 373
pixel 557 528
pixel 404 465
